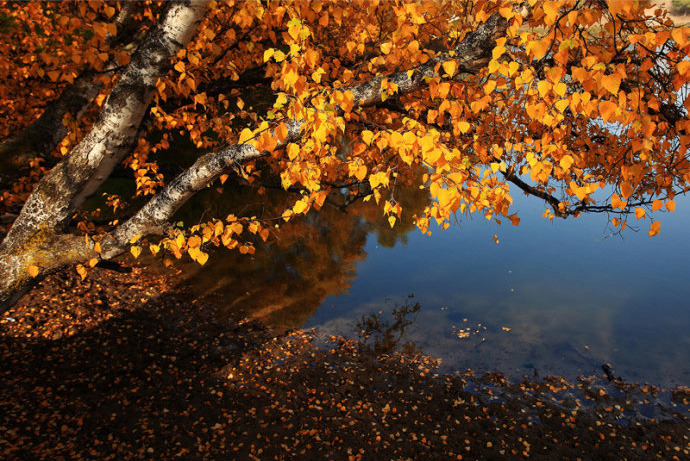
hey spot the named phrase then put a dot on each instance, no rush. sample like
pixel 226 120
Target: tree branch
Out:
pixel 472 54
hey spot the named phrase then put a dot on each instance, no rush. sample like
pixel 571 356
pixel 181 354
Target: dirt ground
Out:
pixel 125 366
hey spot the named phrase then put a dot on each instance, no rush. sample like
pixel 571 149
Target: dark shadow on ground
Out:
pixel 119 367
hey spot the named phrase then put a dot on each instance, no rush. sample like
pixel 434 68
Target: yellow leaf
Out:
pixel 498 51
pixel 97 247
pixel 560 89
pixel 245 135
pixel 566 162
pixel 33 271
pixel 135 238
pixel 464 127
pixel 240 103
pixel 292 151
pixel 81 270
pixel 391 220
pixel 380 178
pixel 268 53
pixel 494 65
pixel 450 67
pixel 316 75
pixel 639 212
pixel 300 207
pixel 386 47
pixel 543 87
pixel 291 77
pixel 562 105
pixel 136 251
pixel 202 257
pixel 367 137
pixel 360 172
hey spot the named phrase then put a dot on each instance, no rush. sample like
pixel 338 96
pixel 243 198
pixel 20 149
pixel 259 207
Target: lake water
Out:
pixel 553 297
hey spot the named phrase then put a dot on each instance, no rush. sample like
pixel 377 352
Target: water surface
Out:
pixel 553 297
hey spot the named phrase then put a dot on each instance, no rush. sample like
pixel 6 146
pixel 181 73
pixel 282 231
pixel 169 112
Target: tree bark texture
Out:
pixel 34 237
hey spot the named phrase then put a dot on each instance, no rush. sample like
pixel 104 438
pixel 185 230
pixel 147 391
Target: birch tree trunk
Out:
pixel 35 238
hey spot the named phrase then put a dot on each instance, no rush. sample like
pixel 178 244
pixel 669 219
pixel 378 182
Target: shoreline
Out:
pixel 130 367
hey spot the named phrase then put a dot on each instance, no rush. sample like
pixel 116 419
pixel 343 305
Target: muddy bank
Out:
pixel 124 366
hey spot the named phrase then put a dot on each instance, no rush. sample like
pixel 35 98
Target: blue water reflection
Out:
pixel 555 297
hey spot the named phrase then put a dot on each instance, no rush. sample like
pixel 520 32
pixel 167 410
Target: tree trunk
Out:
pixel 35 237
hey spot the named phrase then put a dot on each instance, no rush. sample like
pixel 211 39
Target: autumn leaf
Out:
pixel 246 135
pixel 611 83
pixel 654 229
pixel 450 67
pixel 608 110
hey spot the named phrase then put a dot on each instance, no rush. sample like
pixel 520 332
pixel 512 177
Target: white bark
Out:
pixel 34 237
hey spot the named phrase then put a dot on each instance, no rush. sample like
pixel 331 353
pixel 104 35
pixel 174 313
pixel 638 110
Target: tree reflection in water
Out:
pixel 305 259
pixel 380 335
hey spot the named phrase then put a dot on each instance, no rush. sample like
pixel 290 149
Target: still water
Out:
pixel 553 297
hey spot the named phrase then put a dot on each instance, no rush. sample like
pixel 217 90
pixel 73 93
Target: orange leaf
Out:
pixel 611 82
pixel 33 271
pixel 81 270
pixel 654 229
pixel 607 110
pixel 617 203
pixel 539 48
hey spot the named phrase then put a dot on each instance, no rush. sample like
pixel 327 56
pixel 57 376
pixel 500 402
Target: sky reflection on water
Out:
pixel 572 298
